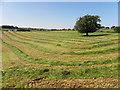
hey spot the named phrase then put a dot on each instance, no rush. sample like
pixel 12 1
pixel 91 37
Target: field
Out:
pixel 59 59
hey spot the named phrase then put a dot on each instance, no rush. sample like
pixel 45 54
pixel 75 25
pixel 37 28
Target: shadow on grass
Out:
pixel 95 35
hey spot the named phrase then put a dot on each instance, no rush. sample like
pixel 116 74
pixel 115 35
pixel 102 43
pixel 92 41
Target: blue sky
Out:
pixel 56 14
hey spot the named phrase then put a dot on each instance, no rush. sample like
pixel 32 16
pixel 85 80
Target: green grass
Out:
pixel 63 40
pixel 28 58
pixel 106 30
pixel 69 53
pixel 26 73
pixel 21 76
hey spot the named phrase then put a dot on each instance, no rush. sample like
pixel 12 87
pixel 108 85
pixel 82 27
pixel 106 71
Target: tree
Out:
pixel 87 24
pixel 107 27
pixel 112 27
pixel 102 27
pixel 117 29
pixel 16 27
pixel 69 29
pixel 7 27
pixel 99 26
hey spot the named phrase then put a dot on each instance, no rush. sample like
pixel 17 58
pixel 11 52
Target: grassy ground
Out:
pixel 36 59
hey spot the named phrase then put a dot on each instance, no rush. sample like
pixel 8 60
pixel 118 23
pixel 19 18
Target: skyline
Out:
pixel 56 14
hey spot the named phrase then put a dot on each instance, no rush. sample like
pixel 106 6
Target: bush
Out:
pixel 117 29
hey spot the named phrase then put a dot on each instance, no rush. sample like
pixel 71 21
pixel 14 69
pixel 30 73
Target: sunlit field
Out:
pixel 59 59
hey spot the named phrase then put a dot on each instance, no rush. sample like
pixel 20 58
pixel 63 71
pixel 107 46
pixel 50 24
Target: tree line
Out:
pixel 86 24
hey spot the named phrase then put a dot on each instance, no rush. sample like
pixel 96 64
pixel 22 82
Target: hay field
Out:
pixel 59 59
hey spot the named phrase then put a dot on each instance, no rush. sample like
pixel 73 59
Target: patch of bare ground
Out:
pixel 107 82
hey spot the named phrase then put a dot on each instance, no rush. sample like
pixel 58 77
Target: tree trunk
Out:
pixel 86 33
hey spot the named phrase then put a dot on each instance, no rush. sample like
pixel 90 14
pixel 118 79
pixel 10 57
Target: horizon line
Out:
pixel 43 27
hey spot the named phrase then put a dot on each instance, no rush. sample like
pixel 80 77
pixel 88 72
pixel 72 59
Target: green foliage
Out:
pixel 117 29
pixel 112 27
pixel 106 30
pixel 87 24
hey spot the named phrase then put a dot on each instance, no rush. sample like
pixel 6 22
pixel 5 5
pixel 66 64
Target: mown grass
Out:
pixel 68 35
pixel 84 42
pixel 69 53
pixel 64 41
pixel 28 58
pixel 20 77
pixel 62 53
pixel 106 30
pixel 26 73
pixel 7 61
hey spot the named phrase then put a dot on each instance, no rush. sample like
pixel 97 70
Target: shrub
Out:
pixel 117 29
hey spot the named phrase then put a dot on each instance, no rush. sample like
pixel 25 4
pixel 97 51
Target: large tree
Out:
pixel 87 24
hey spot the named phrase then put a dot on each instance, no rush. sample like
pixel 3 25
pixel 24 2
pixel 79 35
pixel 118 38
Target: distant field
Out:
pixel 60 59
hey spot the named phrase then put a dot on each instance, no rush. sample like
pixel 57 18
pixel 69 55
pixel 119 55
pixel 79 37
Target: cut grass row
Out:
pixel 28 58
pixel 15 63
pixel 70 35
pixel 92 47
pixel 29 75
pixel 7 61
pixel 58 49
pixel 57 57
pixel 83 42
pixel 46 39
pixel 67 53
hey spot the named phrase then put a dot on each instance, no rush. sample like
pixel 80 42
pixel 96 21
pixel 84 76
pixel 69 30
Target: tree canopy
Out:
pixel 87 24
pixel 117 29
